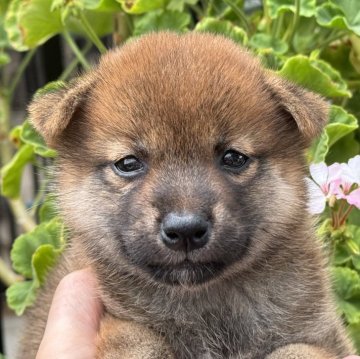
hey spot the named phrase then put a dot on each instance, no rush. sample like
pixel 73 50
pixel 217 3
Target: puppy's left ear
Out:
pixel 310 111
pixel 52 112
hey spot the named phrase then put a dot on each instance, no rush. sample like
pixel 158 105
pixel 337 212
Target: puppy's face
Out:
pixel 180 160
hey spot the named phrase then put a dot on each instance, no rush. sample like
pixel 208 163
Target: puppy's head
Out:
pixel 180 159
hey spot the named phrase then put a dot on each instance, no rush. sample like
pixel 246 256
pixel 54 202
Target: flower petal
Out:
pixel 319 172
pixel 334 172
pixel 354 198
pixel 317 199
pixel 354 166
pixel 347 175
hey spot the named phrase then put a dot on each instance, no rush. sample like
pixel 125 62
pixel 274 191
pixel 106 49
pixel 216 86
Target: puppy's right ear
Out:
pixel 51 113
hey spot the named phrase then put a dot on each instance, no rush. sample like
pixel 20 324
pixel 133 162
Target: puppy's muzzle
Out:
pixel 185 232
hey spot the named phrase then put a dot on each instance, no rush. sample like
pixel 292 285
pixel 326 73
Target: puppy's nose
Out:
pixel 184 232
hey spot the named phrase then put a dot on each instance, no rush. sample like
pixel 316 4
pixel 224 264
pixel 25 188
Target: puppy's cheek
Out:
pixel 231 232
pixel 286 200
pixel 93 211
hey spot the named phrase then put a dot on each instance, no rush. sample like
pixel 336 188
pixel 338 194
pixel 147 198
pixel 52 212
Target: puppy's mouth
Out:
pixel 186 273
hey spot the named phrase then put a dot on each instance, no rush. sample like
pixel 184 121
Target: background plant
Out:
pixel 315 43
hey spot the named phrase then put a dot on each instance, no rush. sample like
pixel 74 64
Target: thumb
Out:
pixel 73 320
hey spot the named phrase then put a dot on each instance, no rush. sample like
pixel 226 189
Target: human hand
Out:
pixel 73 320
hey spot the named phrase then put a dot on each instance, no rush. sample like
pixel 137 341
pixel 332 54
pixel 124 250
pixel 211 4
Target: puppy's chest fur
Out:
pixel 220 322
pixel 194 330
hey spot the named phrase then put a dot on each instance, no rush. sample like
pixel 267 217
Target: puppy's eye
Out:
pixel 128 166
pixel 234 160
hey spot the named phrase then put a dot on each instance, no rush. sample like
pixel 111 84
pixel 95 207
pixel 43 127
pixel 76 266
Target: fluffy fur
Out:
pixel 260 287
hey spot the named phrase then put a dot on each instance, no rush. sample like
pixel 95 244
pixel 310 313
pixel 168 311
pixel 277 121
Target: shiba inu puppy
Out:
pixel 181 179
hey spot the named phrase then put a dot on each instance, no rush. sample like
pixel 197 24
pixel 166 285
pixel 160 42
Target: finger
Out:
pixel 73 320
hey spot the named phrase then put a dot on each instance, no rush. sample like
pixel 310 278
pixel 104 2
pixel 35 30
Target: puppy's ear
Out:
pixel 310 111
pixel 51 113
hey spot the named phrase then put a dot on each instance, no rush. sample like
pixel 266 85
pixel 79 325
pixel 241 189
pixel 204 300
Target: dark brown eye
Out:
pixel 128 166
pixel 234 160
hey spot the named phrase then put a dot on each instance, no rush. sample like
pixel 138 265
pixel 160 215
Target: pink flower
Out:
pixel 350 176
pixel 324 185
pixel 354 198
pixel 329 183
pixel 351 171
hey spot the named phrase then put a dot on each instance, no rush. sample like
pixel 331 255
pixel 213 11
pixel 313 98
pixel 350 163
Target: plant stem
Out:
pixel 266 15
pixel 76 50
pixel 122 28
pixel 91 33
pixel 240 14
pixel 278 26
pixel 334 219
pixel 7 276
pixel 295 22
pixel 71 67
pixel 21 214
pixel 5 145
pixel 19 72
pixel 345 216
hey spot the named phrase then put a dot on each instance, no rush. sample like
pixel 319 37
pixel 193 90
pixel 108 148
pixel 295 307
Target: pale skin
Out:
pixel 74 319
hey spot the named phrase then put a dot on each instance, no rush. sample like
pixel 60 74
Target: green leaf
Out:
pixel 101 5
pixel 354 330
pixel 30 23
pixel 346 283
pixel 352 247
pixel 355 53
pixel 341 151
pixel 15 136
pixel 13 32
pixel 12 172
pixel 33 255
pixel 161 20
pixel 4 57
pixel 53 86
pixel 21 295
pixel 31 137
pixel 276 7
pixel 341 123
pixel 316 75
pixel 338 56
pixel 319 149
pixel 43 259
pixel 354 103
pixel 356 261
pixel 178 5
pixel 340 14
pixel 223 27
pixel 341 254
pixel 306 37
pixel 351 310
pixel 3 36
pixel 26 245
pixel 101 23
pixel 267 42
pixel 48 209
pixel 355 237
pixel 141 6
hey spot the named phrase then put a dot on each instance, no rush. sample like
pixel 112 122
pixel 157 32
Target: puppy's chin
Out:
pixel 186 273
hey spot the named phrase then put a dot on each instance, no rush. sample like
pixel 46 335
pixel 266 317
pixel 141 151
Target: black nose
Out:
pixel 184 232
